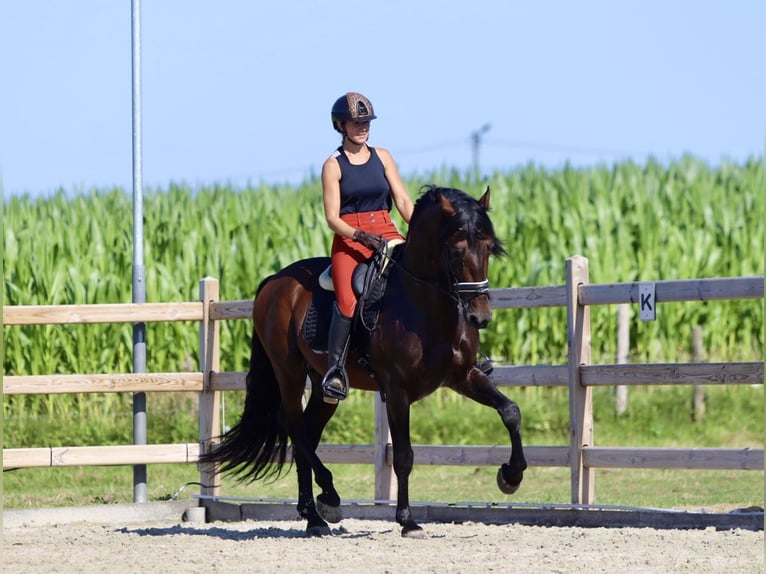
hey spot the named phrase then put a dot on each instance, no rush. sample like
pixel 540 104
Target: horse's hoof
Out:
pixel 331 514
pixel 318 530
pixel 504 486
pixel 414 531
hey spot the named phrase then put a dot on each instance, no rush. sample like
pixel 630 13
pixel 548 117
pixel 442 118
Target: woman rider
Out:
pixel 359 185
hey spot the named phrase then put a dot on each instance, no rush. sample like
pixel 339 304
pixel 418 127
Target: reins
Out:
pixel 457 288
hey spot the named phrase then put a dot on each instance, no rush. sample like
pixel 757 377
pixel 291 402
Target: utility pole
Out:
pixel 475 145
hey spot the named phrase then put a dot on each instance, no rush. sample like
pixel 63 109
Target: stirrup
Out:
pixel 335 386
pixel 486 365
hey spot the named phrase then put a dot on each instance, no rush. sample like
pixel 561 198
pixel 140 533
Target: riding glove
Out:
pixel 369 240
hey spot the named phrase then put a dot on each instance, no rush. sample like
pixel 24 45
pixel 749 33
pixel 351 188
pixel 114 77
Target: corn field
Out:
pixel 633 222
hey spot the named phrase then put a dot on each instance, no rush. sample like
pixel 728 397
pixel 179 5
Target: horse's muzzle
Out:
pixel 478 312
pixel 480 321
pixel 475 299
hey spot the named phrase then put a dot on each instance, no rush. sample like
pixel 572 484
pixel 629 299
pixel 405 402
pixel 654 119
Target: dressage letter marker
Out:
pixel 646 301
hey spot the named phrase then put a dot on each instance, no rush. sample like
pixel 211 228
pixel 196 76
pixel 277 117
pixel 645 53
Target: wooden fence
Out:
pixel 579 375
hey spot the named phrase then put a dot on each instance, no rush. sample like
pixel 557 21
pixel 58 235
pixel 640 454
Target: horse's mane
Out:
pixel 470 215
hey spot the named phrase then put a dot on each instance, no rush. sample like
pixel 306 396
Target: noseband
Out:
pixel 464 291
pixel 474 287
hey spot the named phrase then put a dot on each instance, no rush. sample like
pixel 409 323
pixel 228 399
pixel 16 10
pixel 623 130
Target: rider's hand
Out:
pixel 369 240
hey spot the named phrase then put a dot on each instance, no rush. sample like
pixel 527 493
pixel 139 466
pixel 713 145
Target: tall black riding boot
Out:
pixel 335 381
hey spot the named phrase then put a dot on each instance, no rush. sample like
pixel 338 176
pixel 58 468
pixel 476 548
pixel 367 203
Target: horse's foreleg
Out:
pixel 399 422
pixel 479 388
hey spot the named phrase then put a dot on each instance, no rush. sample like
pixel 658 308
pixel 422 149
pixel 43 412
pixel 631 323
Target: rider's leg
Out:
pixel 346 254
pixel 335 381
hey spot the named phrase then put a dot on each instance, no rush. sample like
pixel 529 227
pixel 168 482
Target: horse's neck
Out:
pixel 420 263
pixel 424 298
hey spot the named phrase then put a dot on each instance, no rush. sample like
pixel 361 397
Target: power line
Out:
pixel 549 147
pixel 310 172
pixel 432 147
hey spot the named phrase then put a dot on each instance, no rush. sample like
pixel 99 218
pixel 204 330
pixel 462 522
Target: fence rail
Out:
pixel 579 375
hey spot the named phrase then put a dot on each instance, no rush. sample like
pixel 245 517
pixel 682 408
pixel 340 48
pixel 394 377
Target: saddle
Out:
pixel 368 283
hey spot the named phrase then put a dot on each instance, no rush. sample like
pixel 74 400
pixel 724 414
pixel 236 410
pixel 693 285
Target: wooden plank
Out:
pixel 224 310
pixel 517 376
pixel 347 453
pixel 100 455
pixel 228 381
pixel 26 457
pixel 528 297
pixel 687 458
pixel 489 455
pixel 445 455
pixel 103 313
pixel 503 375
pixel 98 383
pixel 530 376
pixel 344 453
pixel 675 290
pixel 673 374
pixel 554 456
pixel 124 454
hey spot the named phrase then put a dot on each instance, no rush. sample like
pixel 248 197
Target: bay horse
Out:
pixel 426 336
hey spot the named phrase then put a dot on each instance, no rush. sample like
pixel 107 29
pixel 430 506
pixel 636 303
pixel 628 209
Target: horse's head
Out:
pixel 452 236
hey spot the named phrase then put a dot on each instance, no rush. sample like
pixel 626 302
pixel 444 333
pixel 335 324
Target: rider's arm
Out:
pixel 331 198
pixel 399 193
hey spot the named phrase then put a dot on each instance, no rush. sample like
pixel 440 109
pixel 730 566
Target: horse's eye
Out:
pixel 460 235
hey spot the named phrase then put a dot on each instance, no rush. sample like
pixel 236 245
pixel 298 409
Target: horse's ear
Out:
pixel 484 201
pixel 447 208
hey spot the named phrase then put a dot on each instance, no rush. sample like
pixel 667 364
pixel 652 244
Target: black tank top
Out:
pixel 363 187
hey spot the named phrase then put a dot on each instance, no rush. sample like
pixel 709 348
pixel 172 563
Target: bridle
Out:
pixel 462 288
pixel 462 292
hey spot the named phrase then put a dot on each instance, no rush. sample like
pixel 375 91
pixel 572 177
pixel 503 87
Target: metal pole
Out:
pixel 139 283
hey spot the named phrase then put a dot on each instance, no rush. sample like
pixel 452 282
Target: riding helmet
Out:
pixel 351 107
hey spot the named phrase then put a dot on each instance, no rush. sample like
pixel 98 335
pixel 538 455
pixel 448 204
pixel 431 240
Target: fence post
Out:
pixel 623 351
pixel 580 397
pixel 209 400
pixel 385 481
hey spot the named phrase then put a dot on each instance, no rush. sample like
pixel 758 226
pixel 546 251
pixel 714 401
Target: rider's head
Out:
pixel 351 107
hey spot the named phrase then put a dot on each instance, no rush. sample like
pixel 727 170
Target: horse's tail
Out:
pixel 248 449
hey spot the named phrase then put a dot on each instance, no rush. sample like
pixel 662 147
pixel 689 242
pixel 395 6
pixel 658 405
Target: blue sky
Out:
pixel 240 91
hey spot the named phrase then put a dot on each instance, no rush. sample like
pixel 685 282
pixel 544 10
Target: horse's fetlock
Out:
pixel 306 508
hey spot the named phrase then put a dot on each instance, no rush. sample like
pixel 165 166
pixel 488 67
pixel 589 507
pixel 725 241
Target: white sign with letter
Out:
pixel 646 301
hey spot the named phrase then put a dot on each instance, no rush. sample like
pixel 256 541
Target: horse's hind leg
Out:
pixel 315 417
pixel 304 429
pixel 479 388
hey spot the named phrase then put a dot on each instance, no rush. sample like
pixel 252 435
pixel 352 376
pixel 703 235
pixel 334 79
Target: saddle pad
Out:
pixel 316 326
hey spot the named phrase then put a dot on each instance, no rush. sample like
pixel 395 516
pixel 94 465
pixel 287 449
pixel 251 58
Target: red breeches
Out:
pixel 347 253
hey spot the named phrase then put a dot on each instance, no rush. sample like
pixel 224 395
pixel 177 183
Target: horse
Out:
pixel 434 303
